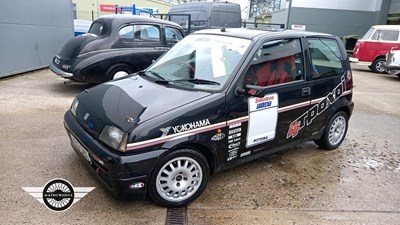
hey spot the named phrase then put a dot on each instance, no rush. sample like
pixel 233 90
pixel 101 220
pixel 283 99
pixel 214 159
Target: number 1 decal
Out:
pixel 263 118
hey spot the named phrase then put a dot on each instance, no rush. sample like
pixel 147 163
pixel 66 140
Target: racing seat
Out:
pixel 277 71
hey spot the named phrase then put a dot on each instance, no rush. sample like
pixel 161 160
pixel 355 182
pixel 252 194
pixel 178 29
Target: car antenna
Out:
pixel 226 17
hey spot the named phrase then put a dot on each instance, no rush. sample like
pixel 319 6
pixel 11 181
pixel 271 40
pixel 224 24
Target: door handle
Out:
pixel 306 91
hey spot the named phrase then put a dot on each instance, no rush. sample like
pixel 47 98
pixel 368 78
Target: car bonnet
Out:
pixel 128 102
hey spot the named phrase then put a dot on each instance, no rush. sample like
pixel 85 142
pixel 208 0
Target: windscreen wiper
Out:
pixel 198 81
pixel 162 79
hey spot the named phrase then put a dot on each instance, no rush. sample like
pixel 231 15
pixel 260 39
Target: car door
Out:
pixel 276 75
pixel 146 43
pixel 328 77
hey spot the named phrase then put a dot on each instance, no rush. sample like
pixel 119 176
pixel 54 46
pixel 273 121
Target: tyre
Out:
pixel 398 75
pixel 377 65
pixel 179 178
pixel 335 132
pixel 118 71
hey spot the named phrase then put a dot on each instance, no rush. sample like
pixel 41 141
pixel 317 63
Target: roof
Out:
pixel 124 18
pixel 387 27
pixel 254 33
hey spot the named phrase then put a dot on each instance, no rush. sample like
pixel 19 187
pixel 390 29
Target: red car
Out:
pixel 372 48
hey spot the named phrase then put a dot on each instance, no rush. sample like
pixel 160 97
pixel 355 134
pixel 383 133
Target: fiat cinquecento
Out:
pixel 217 99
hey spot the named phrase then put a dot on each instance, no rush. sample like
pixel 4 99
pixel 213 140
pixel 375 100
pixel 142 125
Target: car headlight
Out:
pixel 74 106
pixel 114 138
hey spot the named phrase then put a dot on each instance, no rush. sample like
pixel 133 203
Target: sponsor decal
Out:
pixel 245 154
pixel 137 185
pixel 234 131
pixel 234 136
pixel 308 117
pixel 218 137
pixel 256 140
pixel 263 105
pixel 252 92
pixel 232 154
pixel 58 194
pixel 233 140
pixel 234 145
pixel 190 126
pixel 235 125
pixel 265 99
pixel 165 131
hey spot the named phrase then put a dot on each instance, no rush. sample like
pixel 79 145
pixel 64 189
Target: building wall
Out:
pixel 84 8
pixel 339 17
pixel 32 32
pixel 394 6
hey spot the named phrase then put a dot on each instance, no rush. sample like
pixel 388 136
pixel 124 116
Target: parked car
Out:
pixel 206 15
pixel 217 99
pixel 392 64
pixel 372 48
pixel 116 45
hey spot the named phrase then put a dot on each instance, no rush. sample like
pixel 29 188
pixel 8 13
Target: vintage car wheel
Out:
pixel 377 65
pixel 118 71
pixel 335 132
pixel 179 179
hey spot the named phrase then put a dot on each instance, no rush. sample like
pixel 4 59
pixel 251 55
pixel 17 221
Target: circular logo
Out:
pixel 58 195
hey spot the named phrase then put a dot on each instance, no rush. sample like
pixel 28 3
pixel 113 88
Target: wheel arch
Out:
pixel 201 148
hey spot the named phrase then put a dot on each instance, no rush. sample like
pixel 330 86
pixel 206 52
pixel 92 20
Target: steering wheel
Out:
pixel 188 65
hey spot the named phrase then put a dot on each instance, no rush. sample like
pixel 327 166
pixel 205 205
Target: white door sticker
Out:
pixel 263 118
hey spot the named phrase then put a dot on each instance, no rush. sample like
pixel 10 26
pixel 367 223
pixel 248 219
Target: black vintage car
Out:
pixel 115 46
pixel 215 100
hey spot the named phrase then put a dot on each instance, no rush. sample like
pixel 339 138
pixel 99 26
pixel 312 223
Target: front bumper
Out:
pixel 356 60
pixel 125 176
pixel 60 72
pixel 391 66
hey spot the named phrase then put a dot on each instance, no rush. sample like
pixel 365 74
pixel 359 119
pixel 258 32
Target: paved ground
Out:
pixel 357 184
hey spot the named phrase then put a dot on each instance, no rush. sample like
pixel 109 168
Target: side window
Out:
pixel 386 35
pixel 126 34
pixel 276 62
pixel 140 33
pixel 326 57
pixel 172 35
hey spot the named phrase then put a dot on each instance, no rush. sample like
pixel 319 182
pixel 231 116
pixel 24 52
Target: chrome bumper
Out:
pixel 59 72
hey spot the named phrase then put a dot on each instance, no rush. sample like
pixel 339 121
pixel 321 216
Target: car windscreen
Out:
pixel 368 34
pixel 203 62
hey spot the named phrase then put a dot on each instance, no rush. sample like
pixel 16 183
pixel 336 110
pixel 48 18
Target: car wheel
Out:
pixel 377 66
pixel 398 75
pixel 179 178
pixel 335 132
pixel 118 71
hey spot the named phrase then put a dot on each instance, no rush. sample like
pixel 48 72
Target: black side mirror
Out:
pixel 251 90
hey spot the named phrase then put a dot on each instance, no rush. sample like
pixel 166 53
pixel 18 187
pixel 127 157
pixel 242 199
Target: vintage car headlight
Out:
pixel 114 138
pixel 74 106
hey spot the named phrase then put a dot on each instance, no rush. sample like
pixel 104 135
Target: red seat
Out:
pixel 276 71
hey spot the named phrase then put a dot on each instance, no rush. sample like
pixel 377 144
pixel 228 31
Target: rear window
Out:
pixel 98 29
pixel 326 57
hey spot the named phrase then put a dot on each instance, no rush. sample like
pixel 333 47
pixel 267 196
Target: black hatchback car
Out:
pixel 217 99
pixel 115 46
